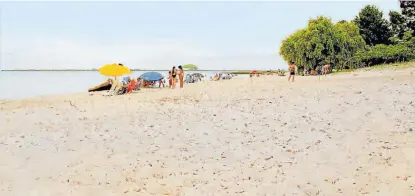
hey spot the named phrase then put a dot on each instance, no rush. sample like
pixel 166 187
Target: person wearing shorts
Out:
pixel 291 69
pixel 326 69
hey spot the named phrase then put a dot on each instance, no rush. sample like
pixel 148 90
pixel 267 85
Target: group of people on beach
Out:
pixel 176 76
pixel 292 68
pixel 127 85
pixel 222 76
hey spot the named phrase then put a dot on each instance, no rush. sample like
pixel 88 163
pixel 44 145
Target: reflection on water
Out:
pixel 26 84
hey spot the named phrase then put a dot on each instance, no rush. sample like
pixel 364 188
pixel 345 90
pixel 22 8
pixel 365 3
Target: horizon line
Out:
pixel 94 69
pixel 130 69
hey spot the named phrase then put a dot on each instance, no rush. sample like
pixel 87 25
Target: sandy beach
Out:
pixel 350 134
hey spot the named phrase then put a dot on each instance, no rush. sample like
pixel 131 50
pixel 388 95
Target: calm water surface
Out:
pixel 27 84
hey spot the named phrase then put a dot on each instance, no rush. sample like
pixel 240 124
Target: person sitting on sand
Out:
pixel 291 68
pixel 114 88
pixel 124 86
pixel 131 86
pixel 146 84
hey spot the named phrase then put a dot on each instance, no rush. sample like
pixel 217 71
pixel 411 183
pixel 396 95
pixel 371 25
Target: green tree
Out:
pixel 381 53
pixel 323 42
pixel 190 67
pixel 398 24
pixel 409 40
pixel 408 7
pixel 348 42
pixel 408 10
pixel 290 51
pixel 373 27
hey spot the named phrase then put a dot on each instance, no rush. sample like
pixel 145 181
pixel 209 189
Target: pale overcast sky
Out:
pixel 212 35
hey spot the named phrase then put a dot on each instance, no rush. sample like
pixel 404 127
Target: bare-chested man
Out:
pixel 291 69
pixel 326 69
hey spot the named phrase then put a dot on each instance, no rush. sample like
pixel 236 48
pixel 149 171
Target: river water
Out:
pixel 27 84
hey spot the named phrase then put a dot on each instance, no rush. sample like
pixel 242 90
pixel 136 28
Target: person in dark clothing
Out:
pixel 174 77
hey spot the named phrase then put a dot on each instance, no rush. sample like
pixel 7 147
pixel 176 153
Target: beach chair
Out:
pixel 115 88
pixel 131 86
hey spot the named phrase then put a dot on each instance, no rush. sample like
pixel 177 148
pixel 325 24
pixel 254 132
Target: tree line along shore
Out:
pixel 368 40
pixel 231 71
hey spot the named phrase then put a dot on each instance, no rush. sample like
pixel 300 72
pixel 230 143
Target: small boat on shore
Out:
pixel 101 87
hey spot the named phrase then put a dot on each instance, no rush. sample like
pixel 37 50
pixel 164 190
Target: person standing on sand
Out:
pixel 291 68
pixel 181 76
pixel 161 82
pixel 170 78
pixel 326 69
pixel 173 77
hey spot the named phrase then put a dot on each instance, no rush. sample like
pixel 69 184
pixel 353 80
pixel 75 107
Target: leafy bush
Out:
pixel 368 40
pixel 378 54
pixel 323 42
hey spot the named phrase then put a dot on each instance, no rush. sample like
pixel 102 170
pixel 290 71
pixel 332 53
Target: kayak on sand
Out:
pixel 101 87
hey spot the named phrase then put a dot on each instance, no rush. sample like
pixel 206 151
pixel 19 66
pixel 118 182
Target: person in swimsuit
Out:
pixel 291 68
pixel 170 79
pixel 181 76
pixel 173 75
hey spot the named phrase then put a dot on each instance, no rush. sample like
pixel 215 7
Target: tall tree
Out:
pixel 398 24
pixel 348 41
pixel 311 46
pixel 373 27
pixel 323 42
pixel 408 10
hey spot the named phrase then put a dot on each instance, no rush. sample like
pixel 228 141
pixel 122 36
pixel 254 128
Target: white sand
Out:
pixel 347 135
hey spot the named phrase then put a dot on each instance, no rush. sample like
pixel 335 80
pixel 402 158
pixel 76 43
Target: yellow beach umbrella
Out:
pixel 114 70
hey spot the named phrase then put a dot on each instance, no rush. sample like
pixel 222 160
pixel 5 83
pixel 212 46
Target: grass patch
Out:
pixel 403 65
pixel 343 71
pixel 249 72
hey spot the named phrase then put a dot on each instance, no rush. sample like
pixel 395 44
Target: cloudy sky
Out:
pixel 212 35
